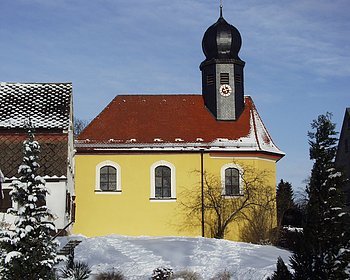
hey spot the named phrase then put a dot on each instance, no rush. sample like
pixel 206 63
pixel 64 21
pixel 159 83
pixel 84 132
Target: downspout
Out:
pixel 202 189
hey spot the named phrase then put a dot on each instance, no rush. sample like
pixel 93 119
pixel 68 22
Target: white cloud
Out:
pixel 301 34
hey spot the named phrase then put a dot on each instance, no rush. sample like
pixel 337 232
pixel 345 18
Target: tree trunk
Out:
pixel 220 233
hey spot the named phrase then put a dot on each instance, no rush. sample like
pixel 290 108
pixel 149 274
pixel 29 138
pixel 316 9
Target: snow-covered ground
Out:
pixel 136 257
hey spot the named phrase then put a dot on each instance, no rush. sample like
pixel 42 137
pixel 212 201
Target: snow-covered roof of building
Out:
pixel 52 158
pixel 47 105
pixel 173 122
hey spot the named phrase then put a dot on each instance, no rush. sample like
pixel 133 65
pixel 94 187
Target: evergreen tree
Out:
pixel 323 250
pixel 282 272
pixel 288 214
pixel 29 252
pixel 284 199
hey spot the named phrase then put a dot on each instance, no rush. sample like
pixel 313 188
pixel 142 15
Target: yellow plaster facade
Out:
pixel 131 211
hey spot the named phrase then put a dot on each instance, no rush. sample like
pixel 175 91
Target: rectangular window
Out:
pixel 210 79
pixel 224 78
pixel 5 203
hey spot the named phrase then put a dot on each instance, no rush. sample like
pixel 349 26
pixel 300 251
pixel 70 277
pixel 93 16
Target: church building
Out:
pixel 141 157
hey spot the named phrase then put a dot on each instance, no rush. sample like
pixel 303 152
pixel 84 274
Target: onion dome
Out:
pixel 221 40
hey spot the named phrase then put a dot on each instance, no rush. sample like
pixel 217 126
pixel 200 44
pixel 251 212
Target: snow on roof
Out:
pixel 157 122
pixel 48 105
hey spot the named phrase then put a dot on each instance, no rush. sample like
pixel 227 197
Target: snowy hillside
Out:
pixel 136 257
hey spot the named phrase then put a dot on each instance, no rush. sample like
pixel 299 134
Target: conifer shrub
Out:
pixel 162 273
pixel 288 238
pixel 110 275
pixel 75 270
pixel 282 272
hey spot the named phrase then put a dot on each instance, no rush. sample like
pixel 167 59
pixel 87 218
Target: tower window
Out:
pixel 224 78
pixel 238 78
pixel 210 79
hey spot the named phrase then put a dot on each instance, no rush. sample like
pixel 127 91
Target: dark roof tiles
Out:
pixel 52 159
pixel 46 104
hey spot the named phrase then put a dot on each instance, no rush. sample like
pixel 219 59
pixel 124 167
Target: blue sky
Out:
pixel 297 56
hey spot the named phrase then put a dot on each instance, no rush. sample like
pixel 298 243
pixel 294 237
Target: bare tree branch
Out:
pixel 221 210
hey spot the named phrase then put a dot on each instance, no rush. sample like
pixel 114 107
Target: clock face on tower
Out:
pixel 225 90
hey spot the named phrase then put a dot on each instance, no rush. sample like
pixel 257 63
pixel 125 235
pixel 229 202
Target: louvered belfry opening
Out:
pixel 224 78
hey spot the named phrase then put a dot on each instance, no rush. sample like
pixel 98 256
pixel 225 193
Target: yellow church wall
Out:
pixel 131 212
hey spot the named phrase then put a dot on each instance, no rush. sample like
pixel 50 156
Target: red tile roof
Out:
pixel 149 120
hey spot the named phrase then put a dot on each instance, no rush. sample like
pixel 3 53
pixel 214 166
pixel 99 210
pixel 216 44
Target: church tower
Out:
pixel 222 71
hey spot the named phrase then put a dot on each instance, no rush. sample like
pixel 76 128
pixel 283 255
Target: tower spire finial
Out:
pixel 221 8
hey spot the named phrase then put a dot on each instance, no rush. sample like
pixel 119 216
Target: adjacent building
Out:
pixel 48 106
pixel 343 154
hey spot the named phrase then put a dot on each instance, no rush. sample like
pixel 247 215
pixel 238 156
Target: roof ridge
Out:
pixel 158 94
pixel 263 125
pixel 252 109
pixel 36 83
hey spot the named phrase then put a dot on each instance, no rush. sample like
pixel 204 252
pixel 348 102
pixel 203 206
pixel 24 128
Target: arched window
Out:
pixel 163 185
pixel 232 181
pixel 108 178
pixel 231 178
pixel 162 181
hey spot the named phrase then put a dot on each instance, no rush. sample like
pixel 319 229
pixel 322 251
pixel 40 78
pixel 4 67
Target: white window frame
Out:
pixel 240 171
pixel 172 183
pixel 118 183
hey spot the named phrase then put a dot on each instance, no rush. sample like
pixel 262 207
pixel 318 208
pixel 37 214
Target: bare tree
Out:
pixel 79 125
pixel 221 210
pixel 260 221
